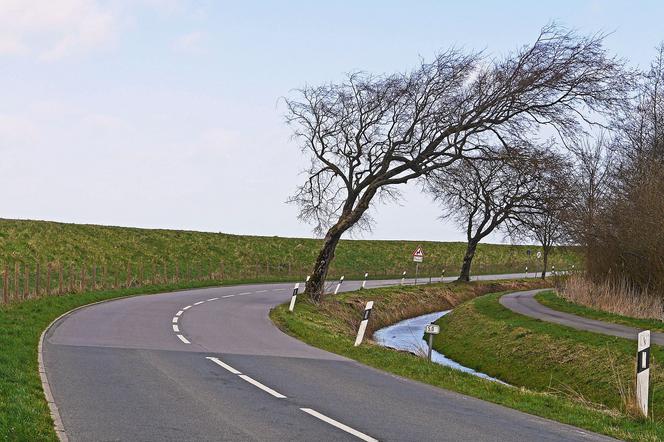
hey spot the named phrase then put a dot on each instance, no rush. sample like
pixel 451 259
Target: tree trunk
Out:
pixel 545 260
pixel 316 284
pixel 464 276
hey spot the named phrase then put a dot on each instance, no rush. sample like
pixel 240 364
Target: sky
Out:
pixel 169 114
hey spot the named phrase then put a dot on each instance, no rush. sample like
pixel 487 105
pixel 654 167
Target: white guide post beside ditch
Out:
pixel 363 324
pixel 643 371
pixel 364 283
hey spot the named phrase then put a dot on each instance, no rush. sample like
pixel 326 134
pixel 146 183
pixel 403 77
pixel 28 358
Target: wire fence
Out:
pixel 30 280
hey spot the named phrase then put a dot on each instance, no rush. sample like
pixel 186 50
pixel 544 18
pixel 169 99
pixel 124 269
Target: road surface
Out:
pixel 209 365
pixel 526 304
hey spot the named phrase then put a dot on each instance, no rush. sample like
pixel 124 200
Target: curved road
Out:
pixel 526 304
pixel 208 364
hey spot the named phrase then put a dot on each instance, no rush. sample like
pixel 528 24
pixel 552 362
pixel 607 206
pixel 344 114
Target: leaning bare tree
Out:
pixel 481 195
pixel 369 134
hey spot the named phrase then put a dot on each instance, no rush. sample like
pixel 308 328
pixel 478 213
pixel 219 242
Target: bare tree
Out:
pixel 481 195
pixel 369 134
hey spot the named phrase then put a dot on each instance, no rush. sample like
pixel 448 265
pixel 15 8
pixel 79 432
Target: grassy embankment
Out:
pixel 586 368
pixel 243 257
pixel 332 326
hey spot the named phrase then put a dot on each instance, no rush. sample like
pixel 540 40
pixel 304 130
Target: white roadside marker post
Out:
pixel 341 280
pixel 431 329
pixel 363 324
pixel 294 297
pixel 643 371
pixel 442 277
pixel 526 271
pixel 403 278
pixel 364 283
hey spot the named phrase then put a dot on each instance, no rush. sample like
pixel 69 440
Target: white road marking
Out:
pixel 179 313
pixel 228 296
pixel 224 365
pixel 244 293
pixel 213 299
pixel 175 319
pixel 199 302
pixel 176 329
pixel 186 308
pixel 266 389
pixel 339 425
pixel 183 339
pixel 261 291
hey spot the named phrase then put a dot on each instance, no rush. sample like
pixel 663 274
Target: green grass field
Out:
pixel 591 368
pixel 243 257
pixel 332 326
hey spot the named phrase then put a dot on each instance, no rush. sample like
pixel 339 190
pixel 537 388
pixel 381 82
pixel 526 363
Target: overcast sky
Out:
pixel 166 113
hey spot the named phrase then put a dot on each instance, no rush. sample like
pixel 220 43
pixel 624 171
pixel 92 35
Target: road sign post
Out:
pixel 431 329
pixel 418 257
pixel 643 371
pixel 363 323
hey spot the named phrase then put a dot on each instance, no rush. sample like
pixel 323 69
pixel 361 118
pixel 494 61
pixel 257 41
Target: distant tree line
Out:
pixel 496 141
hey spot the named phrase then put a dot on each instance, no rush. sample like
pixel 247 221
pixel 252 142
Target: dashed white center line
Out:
pixel 176 329
pixel 261 291
pixel 179 313
pixel 228 296
pixel 199 302
pixel 183 339
pixel 244 293
pixel 186 308
pixel 339 425
pixel 175 319
pixel 224 365
pixel 212 299
pixel 262 387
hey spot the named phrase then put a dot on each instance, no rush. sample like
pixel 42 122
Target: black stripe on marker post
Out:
pixel 367 313
pixel 643 362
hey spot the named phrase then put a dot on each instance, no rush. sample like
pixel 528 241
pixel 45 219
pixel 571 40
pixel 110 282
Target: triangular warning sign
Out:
pixel 418 252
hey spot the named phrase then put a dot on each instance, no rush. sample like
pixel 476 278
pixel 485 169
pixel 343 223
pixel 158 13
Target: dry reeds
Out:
pixel 614 296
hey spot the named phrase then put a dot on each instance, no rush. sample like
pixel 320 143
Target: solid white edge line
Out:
pixel 223 365
pixel 266 389
pixel 228 296
pixel 339 425
pixel 186 308
pixel 176 329
pixel 175 319
pixel 199 302
pixel 183 339
pixel 179 313
pixel 213 299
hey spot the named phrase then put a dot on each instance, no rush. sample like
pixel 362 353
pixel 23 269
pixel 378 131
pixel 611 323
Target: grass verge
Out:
pixel 552 300
pixel 591 370
pixel 24 413
pixel 332 326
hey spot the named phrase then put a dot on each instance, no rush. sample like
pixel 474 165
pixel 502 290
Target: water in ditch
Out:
pixel 407 336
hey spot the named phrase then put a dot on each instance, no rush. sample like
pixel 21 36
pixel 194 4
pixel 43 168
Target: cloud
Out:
pixel 190 43
pixel 51 30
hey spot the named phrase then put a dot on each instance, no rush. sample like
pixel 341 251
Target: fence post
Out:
pixel 37 278
pixel 60 279
pixel 17 277
pixel 26 282
pixel 5 285
pixel 48 279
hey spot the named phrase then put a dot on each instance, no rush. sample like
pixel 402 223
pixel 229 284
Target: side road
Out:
pixel 525 303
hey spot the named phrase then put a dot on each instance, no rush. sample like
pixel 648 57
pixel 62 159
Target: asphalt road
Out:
pixel 208 364
pixel 526 304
